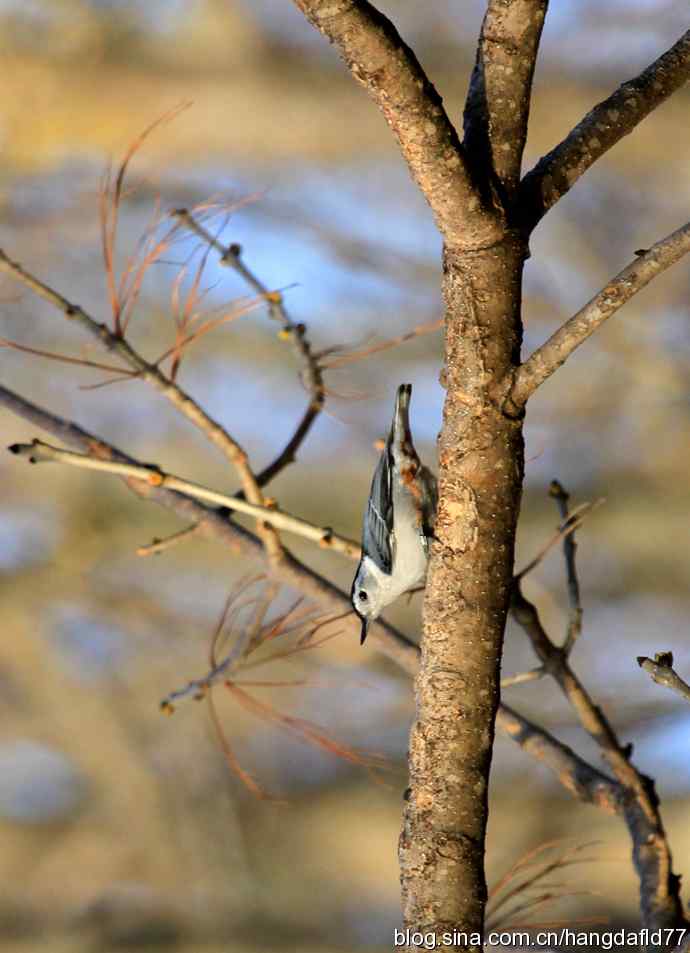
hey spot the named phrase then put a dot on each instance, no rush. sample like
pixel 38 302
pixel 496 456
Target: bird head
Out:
pixel 366 595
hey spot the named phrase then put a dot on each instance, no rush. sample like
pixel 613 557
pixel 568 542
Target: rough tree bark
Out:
pixel 457 688
pixel 485 217
pixel 480 446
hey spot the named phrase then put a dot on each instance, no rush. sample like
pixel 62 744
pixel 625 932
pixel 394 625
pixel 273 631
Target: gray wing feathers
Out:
pixel 378 522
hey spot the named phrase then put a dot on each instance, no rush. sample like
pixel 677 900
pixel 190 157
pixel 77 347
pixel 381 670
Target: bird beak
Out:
pixel 365 626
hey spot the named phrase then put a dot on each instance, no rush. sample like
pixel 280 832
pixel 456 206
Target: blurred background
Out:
pixel 124 829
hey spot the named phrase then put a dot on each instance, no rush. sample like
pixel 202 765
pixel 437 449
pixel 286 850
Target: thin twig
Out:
pixel 532 872
pixel 521 677
pixel 661 671
pixel 543 362
pixel 531 904
pixel 533 861
pixel 157 546
pixel 123 293
pixel 305 731
pixel 67 359
pixel 296 333
pixel 572 523
pixel 574 629
pixel 338 356
pixel 40 452
pixel 659 886
pixel 230 757
pixel 253 633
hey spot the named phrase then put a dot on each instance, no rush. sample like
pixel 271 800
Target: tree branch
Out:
pixel 214 524
pixel 149 372
pixel 387 68
pixel 39 452
pixel 231 257
pixel 590 716
pixel 506 55
pixel 562 497
pixel 661 671
pixel 543 362
pixel 605 125
pixel 577 776
pixel 157 546
pixel 568 526
pixel 659 887
pixel 532 675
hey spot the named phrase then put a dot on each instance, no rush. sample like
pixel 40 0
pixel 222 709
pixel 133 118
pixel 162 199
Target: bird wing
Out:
pixel 378 522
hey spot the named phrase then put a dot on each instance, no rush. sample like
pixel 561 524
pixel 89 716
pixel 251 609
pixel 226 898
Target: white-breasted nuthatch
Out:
pixel 398 522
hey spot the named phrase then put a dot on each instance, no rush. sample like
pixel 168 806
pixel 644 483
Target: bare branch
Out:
pixel 569 549
pixel 506 54
pixel 296 333
pixel 530 869
pixel 148 372
pixel 153 375
pixel 244 623
pixel 39 452
pixel 382 62
pixel 67 359
pixel 573 522
pixel 661 671
pixel 516 888
pixel 533 675
pixel 124 292
pixel 339 355
pixel 659 887
pixel 299 625
pixel 157 546
pixel 214 524
pixel 605 125
pixel 633 278
pixel 581 779
pixel 590 716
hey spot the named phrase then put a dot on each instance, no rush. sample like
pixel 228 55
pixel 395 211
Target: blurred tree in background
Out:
pixel 120 827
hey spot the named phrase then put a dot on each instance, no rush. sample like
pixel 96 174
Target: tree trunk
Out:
pixel 457 689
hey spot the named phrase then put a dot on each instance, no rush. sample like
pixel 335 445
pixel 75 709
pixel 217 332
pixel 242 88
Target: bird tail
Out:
pixel 400 431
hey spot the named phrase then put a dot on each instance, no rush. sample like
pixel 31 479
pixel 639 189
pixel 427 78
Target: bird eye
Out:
pixel 362 595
